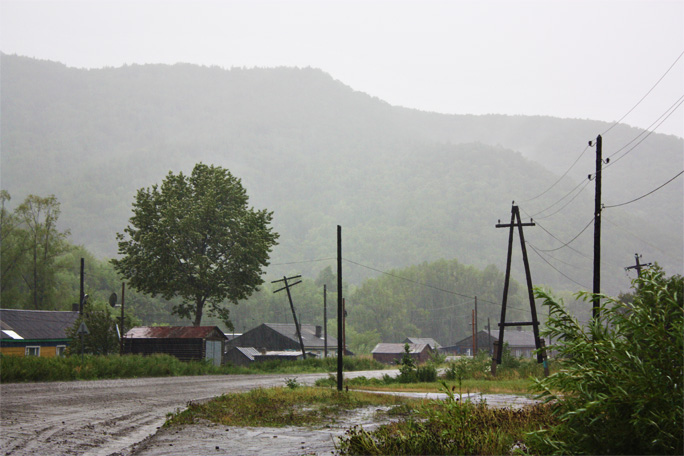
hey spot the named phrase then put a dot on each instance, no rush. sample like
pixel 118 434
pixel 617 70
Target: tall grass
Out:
pixel 93 367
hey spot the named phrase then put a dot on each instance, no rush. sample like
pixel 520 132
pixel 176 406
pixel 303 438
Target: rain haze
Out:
pixel 568 59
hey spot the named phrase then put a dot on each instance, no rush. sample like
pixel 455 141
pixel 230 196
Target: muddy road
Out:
pixel 110 416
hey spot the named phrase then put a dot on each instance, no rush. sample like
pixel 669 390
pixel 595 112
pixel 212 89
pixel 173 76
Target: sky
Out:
pixel 569 59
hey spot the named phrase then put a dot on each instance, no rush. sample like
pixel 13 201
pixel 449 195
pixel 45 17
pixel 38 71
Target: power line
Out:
pixel 645 195
pixel 571 240
pixel 301 262
pixel 647 94
pixel 555 268
pixel 586 183
pixel 647 131
pixel 560 178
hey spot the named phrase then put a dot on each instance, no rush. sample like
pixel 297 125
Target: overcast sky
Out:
pixel 577 59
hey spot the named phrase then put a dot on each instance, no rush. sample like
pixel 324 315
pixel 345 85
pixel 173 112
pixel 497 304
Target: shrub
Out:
pixel 618 389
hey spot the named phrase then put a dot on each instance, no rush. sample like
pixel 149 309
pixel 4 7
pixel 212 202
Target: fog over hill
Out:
pixel 406 186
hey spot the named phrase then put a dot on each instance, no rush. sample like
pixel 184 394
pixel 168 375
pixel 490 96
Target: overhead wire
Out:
pixel 646 194
pixel 534 249
pixel 566 244
pixel 560 178
pixel 646 95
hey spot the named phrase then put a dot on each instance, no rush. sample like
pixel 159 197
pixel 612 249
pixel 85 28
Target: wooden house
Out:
pixel 393 353
pixel 434 345
pixel 244 356
pixel 521 343
pixel 35 332
pixel 187 343
pixel 283 337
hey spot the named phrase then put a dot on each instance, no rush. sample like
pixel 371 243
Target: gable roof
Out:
pixel 393 349
pixel 174 332
pixel 423 340
pixel 17 324
pixel 512 337
pixel 308 334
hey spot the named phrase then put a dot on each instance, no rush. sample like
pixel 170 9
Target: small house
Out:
pixel 187 343
pixel 35 332
pixel 283 337
pixel 393 353
pixel 521 343
pixel 423 340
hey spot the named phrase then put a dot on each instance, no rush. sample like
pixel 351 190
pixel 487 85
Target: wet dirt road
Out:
pixel 106 417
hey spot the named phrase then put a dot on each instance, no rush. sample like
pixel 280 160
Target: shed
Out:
pixel 392 353
pixel 35 332
pixel 520 342
pixel 434 345
pixel 187 343
pixel 283 337
pixel 244 356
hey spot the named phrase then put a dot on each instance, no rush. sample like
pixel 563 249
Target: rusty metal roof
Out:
pixel 175 332
pixel 394 349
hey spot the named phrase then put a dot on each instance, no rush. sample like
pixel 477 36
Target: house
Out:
pixel 423 340
pixel 35 332
pixel 521 343
pixel 392 353
pixel 283 337
pixel 244 356
pixel 187 343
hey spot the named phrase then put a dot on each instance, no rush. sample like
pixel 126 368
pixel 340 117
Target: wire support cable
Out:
pixel 567 244
pixel 556 238
pixel 646 194
pixel 560 178
pixel 583 184
pixel 646 95
pixel 555 268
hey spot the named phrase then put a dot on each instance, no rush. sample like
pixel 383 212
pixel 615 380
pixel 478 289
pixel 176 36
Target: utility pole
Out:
pixel 82 295
pixel 294 314
pixel 638 266
pixel 516 222
pixel 325 320
pixel 340 310
pixel 123 289
pixel 489 328
pixel 475 328
pixel 597 228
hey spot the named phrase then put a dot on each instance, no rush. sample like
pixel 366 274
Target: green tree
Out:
pixel 36 246
pixel 102 337
pixel 196 238
pixel 618 389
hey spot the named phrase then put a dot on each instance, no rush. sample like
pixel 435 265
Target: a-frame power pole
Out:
pixel 517 223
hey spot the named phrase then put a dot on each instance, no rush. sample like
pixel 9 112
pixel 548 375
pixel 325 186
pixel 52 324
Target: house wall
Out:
pixel 183 349
pixel 266 339
pixel 394 358
pixel 47 349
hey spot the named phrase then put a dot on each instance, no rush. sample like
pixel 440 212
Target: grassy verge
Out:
pixel 39 369
pixel 282 406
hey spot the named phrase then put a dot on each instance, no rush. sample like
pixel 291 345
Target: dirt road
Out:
pixel 108 416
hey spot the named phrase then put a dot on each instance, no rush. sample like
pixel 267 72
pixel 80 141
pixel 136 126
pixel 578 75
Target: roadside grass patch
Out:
pixel 280 406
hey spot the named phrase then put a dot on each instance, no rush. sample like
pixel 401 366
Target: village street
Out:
pixel 109 416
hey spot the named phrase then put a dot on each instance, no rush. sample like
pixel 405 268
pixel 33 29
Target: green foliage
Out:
pixel 40 369
pixel 449 427
pixel 618 389
pixel 195 237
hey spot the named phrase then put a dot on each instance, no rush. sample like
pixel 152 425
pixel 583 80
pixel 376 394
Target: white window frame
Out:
pixel 60 351
pixel 30 348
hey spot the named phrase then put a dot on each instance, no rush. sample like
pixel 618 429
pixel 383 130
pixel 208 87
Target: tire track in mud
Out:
pixel 105 417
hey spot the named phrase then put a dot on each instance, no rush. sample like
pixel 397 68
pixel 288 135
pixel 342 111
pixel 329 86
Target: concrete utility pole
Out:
pixel 597 227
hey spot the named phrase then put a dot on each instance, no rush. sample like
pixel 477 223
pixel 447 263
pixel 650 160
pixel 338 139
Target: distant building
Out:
pixel 187 343
pixel 393 353
pixel 270 337
pixel 35 332
pixel 244 356
pixel 521 343
pixel 423 340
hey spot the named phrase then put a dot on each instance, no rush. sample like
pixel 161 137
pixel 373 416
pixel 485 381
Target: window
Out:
pixel 59 350
pixel 33 351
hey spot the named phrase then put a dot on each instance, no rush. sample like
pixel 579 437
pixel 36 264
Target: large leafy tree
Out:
pixel 195 237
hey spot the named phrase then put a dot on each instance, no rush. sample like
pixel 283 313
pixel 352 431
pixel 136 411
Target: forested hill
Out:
pixel 407 186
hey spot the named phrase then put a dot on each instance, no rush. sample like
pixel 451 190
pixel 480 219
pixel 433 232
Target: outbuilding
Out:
pixel 187 343
pixel 393 353
pixel 283 337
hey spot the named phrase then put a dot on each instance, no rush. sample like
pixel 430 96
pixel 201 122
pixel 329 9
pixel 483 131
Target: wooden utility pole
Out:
pixel 475 328
pixel 474 338
pixel 123 289
pixel 516 222
pixel 82 295
pixel 325 320
pixel 340 311
pixel 294 314
pixel 638 266
pixel 597 228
